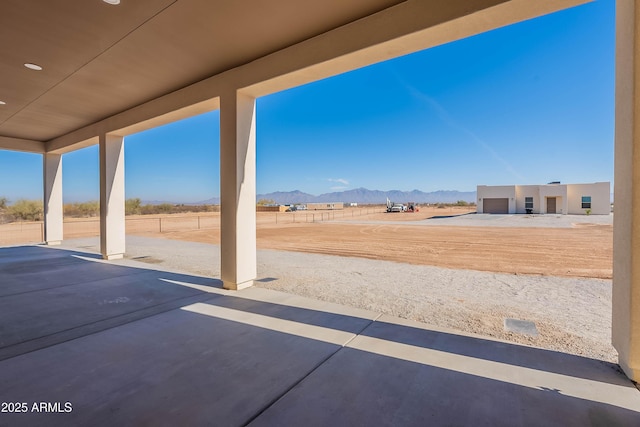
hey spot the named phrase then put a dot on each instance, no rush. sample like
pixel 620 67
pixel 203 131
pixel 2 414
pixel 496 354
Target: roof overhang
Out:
pixel 123 69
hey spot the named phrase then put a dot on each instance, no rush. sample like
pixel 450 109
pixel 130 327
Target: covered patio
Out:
pixel 104 343
pixel 125 344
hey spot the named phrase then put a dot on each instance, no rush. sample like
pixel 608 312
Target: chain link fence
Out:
pixel 16 233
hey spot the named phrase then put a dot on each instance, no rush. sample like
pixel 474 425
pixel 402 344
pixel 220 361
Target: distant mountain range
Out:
pixel 363 196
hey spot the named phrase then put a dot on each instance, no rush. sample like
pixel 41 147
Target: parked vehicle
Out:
pixel 399 207
pixel 395 207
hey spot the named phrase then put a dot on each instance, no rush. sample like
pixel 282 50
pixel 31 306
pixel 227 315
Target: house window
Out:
pixel 586 202
pixel 528 202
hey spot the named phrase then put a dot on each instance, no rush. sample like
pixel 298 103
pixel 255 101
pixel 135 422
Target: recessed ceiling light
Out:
pixel 112 1
pixel 3 103
pixel 33 66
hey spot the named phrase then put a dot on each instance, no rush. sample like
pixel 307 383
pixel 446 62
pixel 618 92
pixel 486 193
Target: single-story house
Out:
pixel 554 198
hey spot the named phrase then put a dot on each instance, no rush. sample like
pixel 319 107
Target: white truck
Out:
pixel 395 207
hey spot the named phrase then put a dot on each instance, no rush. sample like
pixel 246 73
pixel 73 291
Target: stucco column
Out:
pixel 112 231
pixel 53 207
pixel 237 190
pixel 626 224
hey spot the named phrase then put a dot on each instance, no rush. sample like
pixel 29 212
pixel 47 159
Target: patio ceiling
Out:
pixel 102 61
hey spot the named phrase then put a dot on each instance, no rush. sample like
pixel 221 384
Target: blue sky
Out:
pixel 525 104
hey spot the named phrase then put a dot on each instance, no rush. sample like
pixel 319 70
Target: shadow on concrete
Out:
pixel 124 345
pixel 357 387
pixel 305 316
pixel 48 296
pixel 471 346
pixel 499 351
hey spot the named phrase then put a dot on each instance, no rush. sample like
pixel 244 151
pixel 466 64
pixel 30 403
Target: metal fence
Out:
pixel 21 232
pixel 33 232
pixel 314 216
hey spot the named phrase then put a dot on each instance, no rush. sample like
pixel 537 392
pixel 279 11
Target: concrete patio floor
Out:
pixel 106 344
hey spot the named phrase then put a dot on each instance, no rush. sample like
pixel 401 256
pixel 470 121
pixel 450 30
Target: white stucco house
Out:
pixel 554 198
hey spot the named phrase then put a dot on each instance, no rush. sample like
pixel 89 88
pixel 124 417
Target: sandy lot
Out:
pixel 543 245
pixel 584 250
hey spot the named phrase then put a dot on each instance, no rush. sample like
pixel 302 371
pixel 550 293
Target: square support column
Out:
pixel 626 224
pixel 112 227
pixel 238 190
pixel 53 207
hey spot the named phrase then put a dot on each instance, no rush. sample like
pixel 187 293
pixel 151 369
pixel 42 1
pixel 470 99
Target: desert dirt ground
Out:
pixel 581 251
pixel 584 250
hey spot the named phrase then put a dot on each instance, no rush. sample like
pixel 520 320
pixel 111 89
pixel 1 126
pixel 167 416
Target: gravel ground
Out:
pixel 494 220
pixel 572 315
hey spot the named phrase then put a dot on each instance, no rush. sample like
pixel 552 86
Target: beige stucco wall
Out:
pixel 559 191
pixel 523 191
pixel 497 192
pixel 625 330
pixel 600 193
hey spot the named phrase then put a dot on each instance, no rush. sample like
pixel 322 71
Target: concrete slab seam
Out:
pixel 278 398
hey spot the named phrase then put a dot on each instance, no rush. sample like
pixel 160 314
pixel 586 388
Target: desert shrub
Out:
pixel 147 209
pixel 265 202
pixel 26 210
pixel 164 208
pixel 193 208
pixel 4 217
pixel 132 207
pixel 82 210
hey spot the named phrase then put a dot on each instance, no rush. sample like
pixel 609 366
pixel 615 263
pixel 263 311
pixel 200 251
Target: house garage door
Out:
pixel 495 206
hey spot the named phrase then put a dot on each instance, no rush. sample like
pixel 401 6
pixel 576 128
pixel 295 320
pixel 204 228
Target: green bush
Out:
pixel 132 207
pixel 26 210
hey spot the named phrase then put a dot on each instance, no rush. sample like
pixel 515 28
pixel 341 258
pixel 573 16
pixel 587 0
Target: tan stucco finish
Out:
pixel 53 207
pixel 626 237
pixel 238 190
pixel 112 225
